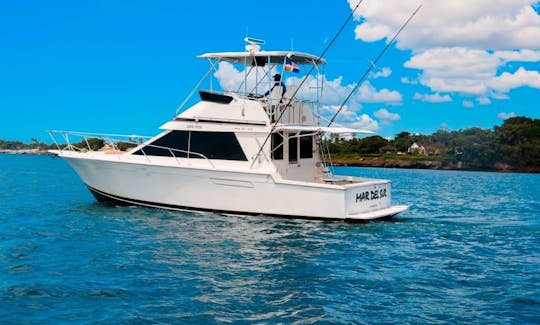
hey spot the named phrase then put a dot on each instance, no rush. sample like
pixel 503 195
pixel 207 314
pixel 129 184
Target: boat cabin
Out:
pixel 267 122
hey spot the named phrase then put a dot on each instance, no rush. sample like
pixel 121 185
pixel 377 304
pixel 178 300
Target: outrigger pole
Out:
pixel 305 78
pixel 373 64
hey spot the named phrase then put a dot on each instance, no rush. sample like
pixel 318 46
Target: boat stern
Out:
pixel 369 200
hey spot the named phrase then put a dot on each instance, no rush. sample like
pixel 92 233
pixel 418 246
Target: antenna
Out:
pixel 256 41
pixel 253 44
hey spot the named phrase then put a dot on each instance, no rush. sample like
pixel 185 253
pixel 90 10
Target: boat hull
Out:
pixel 121 201
pixel 230 192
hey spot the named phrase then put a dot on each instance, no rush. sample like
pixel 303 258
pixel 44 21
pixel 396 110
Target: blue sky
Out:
pixel 125 66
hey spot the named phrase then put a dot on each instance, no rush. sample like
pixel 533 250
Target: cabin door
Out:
pixel 299 151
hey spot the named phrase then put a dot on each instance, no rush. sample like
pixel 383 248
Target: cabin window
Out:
pixel 306 146
pixel 277 146
pixel 213 145
pixel 216 145
pixel 174 140
pixel 293 149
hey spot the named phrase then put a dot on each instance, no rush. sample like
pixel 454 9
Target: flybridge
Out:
pixel 256 72
pixel 254 55
pixel 263 57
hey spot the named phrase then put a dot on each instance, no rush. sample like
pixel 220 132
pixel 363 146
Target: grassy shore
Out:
pixel 417 162
pixel 35 151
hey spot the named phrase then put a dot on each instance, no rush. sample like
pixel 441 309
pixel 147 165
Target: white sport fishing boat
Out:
pixel 234 152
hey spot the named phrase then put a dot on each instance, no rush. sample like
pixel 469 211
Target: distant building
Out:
pixel 415 149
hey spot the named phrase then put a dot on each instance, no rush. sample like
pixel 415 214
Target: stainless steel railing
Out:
pixel 115 143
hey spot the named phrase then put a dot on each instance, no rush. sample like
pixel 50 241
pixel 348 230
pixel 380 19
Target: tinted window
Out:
pixel 306 146
pixel 216 145
pixel 277 146
pixel 293 150
pixel 174 140
pixel 213 145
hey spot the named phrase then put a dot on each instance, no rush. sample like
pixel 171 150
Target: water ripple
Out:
pixel 466 252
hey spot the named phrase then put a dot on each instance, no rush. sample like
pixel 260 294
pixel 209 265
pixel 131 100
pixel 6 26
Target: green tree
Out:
pixel 94 144
pixel 371 144
pixel 123 146
pixel 403 141
pixel 519 141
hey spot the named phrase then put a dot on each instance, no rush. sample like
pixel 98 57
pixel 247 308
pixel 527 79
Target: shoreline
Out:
pixel 24 152
pixel 432 164
pixel 383 163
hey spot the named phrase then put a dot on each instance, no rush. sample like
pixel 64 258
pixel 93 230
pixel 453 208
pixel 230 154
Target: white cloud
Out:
pixel 371 32
pixel 231 79
pixel 454 62
pixel 350 118
pixel 520 56
pixel 433 98
pixel 472 72
pixel 408 81
pixel 468 104
pixel 347 115
pixel 384 114
pixel 386 117
pixel 486 24
pixel 456 69
pixel 460 46
pixel 498 95
pixel 384 73
pixel 368 94
pixel 334 91
pixel 504 116
pixel 364 122
pixel 507 81
pixel 483 101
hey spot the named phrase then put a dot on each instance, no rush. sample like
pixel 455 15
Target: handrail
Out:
pixel 113 139
pixel 178 150
pixel 98 134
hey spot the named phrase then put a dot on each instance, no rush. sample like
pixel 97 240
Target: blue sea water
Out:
pixel 467 251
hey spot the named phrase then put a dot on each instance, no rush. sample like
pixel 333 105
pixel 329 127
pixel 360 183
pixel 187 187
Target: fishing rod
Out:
pixel 305 78
pixel 372 65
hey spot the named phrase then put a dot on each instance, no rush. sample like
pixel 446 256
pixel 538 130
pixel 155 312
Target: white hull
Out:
pixel 183 188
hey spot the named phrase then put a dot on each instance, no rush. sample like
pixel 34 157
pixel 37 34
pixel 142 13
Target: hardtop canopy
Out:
pixel 263 57
pixel 316 128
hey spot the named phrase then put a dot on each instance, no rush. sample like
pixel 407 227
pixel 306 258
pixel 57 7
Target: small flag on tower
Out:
pixel 291 66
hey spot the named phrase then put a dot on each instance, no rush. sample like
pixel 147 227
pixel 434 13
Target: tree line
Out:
pixel 515 145
pixel 90 143
pixel 18 145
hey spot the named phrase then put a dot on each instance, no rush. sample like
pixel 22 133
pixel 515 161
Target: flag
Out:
pixel 291 66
